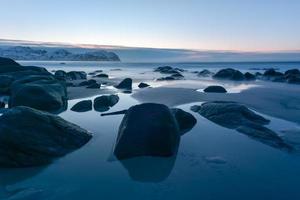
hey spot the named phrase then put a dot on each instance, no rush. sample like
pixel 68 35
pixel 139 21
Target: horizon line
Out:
pixel 94 46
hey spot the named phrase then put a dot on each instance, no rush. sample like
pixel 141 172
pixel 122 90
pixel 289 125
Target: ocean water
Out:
pixel 212 163
pixel 188 65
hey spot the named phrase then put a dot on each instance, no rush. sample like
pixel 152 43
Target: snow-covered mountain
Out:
pixel 58 54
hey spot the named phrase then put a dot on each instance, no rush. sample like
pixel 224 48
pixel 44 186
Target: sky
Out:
pixel 239 25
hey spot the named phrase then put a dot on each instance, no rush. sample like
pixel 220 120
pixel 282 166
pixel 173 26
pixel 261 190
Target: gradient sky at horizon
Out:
pixel 243 25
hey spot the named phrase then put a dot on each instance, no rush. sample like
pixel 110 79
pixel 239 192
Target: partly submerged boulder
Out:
pixel 40 92
pixel 102 75
pixel 76 75
pixel 94 86
pixel 143 85
pixel 105 102
pixel 83 106
pixel 5 83
pixel 204 73
pixel 125 84
pixel 186 121
pixel 215 89
pixel 236 116
pixel 229 74
pixel 147 130
pixel 29 137
pixel 249 77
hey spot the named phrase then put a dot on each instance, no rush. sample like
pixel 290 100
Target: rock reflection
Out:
pixel 13 176
pixel 149 169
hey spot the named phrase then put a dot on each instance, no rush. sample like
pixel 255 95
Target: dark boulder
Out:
pixel 9 65
pixel 236 116
pixel 76 75
pixel 249 77
pixel 83 106
pixel 29 137
pixel 229 74
pixel 294 80
pixel 88 82
pixel 125 84
pixel 215 89
pixel 40 92
pixel 60 74
pixel 147 130
pixel 204 73
pixel 5 83
pixel 293 72
pixel 143 85
pixel 94 86
pixel 105 102
pixel 272 73
pixel 185 120
pixel 168 70
pixel 167 78
pixel 177 75
pixel 102 76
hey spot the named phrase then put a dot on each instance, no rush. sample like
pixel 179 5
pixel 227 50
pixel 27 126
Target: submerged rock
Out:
pixel 143 85
pixel 94 86
pixel 83 106
pixel 76 75
pixel 102 76
pixel 125 84
pixel 293 72
pixel 229 74
pixel 236 116
pixel 204 73
pixel 147 130
pixel 167 78
pixel 272 73
pixel 105 102
pixel 40 92
pixel 215 89
pixel 29 137
pixel 249 77
pixel 88 82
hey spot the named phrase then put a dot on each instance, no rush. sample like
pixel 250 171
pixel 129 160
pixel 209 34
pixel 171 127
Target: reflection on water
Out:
pixel 149 169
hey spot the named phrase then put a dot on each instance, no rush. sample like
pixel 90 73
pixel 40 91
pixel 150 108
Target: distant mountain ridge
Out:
pixel 56 54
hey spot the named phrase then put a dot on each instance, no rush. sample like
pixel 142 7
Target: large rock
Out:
pixel 125 84
pixel 9 65
pixel 5 83
pixel 205 73
pixel 40 92
pixel 76 75
pixel 61 75
pixel 29 137
pixel 143 85
pixel 272 73
pixel 185 120
pixel 215 89
pixel 147 130
pixel 105 102
pixel 236 116
pixel 249 77
pixel 83 106
pixel 292 72
pixel 229 74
